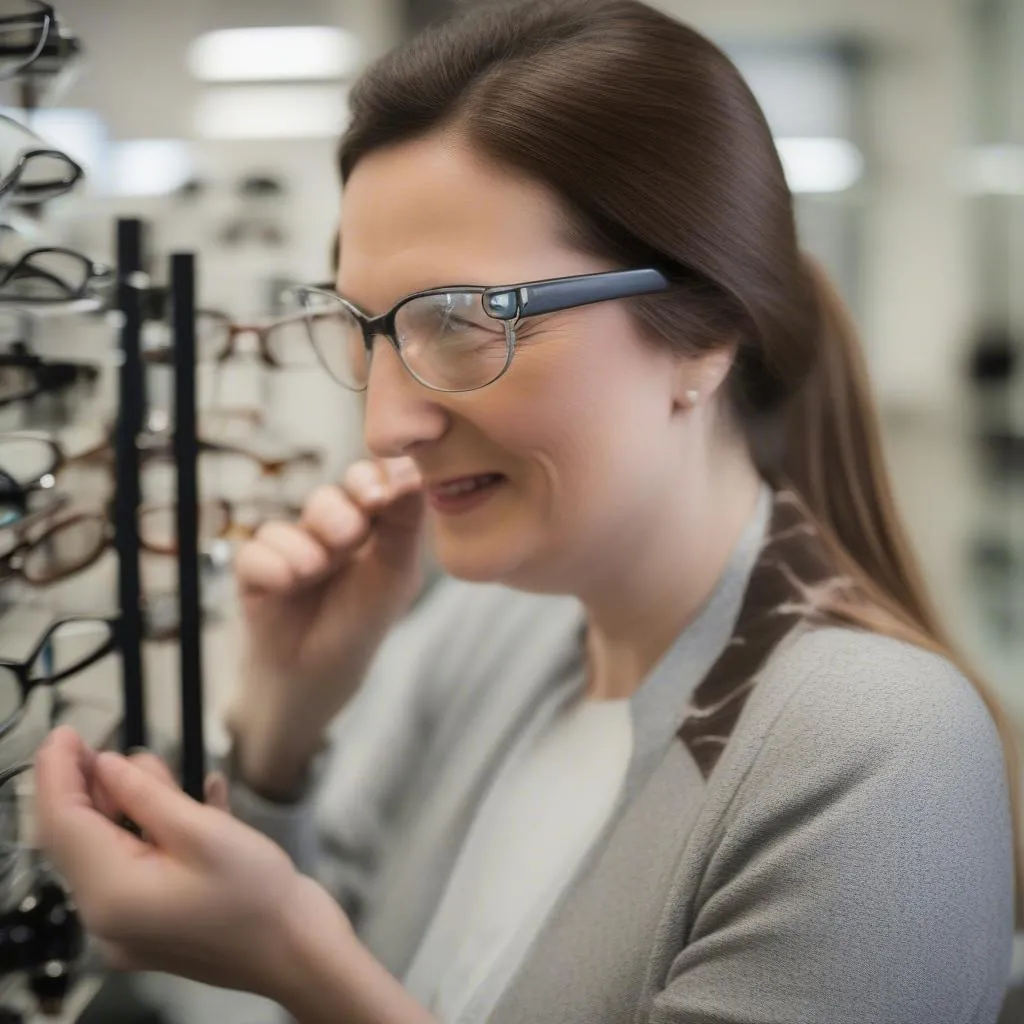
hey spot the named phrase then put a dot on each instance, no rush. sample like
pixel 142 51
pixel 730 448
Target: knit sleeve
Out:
pixel 864 870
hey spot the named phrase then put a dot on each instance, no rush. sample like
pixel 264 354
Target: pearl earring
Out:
pixel 692 397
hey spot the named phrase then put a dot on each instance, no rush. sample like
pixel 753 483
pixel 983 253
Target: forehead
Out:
pixel 429 212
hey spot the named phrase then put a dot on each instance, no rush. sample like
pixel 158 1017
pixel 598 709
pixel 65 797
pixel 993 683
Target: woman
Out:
pixel 682 741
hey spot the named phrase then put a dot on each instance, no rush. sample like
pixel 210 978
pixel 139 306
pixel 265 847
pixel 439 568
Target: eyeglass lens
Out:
pixel 27 460
pixel 446 340
pixel 69 547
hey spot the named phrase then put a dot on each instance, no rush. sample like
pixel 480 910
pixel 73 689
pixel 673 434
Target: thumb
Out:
pixel 170 819
pixel 216 792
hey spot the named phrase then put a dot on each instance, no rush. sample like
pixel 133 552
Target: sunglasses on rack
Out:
pixel 54 278
pixel 32 172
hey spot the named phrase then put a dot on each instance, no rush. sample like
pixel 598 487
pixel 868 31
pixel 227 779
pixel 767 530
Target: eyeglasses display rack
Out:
pixel 186 457
pixel 132 284
pixel 46 971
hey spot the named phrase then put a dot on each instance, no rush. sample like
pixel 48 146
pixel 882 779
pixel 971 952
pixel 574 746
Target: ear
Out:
pixel 699 378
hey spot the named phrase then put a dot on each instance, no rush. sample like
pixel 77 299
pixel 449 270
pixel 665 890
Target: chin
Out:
pixel 500 558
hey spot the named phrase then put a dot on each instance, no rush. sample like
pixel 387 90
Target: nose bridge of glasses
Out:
pixel 382 326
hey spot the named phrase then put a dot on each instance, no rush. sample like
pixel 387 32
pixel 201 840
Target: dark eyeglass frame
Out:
pixel 508 304
pixel 11 189
pixel 49 377
pixel 95 275
pixel 47 23
pixel 15 491
pixel 22 670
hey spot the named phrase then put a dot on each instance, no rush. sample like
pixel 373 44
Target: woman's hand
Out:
pixel 319 596
pixel 201 895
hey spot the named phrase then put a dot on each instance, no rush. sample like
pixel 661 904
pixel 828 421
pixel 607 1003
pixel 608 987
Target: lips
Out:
pixel 458 486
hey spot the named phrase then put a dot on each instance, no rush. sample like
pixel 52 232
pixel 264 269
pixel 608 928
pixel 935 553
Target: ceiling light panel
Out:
pixel 294 53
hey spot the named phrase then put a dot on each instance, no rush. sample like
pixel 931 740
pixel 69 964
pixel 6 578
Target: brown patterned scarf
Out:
pixel 791 583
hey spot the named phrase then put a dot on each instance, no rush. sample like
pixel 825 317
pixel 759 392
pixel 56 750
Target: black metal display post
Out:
pixel 132 282
pixel 186 455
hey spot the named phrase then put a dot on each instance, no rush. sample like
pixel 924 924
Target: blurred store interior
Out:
pixel 901 128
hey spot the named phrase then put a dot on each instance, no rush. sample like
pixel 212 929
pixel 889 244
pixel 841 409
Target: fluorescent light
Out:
pixel 993 170
pixel 274 54
pixel 820 165
pixel 272 112
pixel 149 167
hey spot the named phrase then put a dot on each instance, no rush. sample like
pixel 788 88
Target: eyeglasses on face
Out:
pixel 455 338
pixel 69 646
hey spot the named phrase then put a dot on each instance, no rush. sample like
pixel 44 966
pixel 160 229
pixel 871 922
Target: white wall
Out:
pixel 916 294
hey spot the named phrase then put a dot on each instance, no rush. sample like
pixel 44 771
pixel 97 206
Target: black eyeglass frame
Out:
pixel 11 189
pixel 47 23
pixel 22 670
pixel 507 304
pixel 95 275
pixel 13 490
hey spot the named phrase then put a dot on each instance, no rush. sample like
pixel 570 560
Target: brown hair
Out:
pixel 663 158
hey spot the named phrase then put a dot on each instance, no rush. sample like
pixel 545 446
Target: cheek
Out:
pixel 584 430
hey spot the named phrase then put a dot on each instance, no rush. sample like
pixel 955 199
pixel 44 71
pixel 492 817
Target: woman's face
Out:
pixel 584 433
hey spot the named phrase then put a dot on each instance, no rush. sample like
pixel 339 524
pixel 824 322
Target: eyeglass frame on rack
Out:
pixel 47 25
pixel 21 669
pixel 232 331
pixel 97 276
pixel 32 192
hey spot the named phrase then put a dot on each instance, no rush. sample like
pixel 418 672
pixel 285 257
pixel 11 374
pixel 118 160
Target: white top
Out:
pixel 546 807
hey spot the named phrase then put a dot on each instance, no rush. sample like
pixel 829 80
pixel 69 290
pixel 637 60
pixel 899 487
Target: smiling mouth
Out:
pixel 465 485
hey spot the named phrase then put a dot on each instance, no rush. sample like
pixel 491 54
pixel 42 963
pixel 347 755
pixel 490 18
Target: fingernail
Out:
pixel 137 750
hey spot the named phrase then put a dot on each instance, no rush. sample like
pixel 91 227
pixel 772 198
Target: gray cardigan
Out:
pixel 822 835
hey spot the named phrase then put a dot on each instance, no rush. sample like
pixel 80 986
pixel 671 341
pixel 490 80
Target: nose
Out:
pixel 400 413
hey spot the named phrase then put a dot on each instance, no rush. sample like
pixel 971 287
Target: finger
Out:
pixel 403 476
pixel 279 557
pixel 215 791
pixel 170 819
pixel 399 504
pixel 260 568
pixel 367 483
pixel 86 847
pixel 154 767
pixel 334 520
pixel 64 765
pixel 305 556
